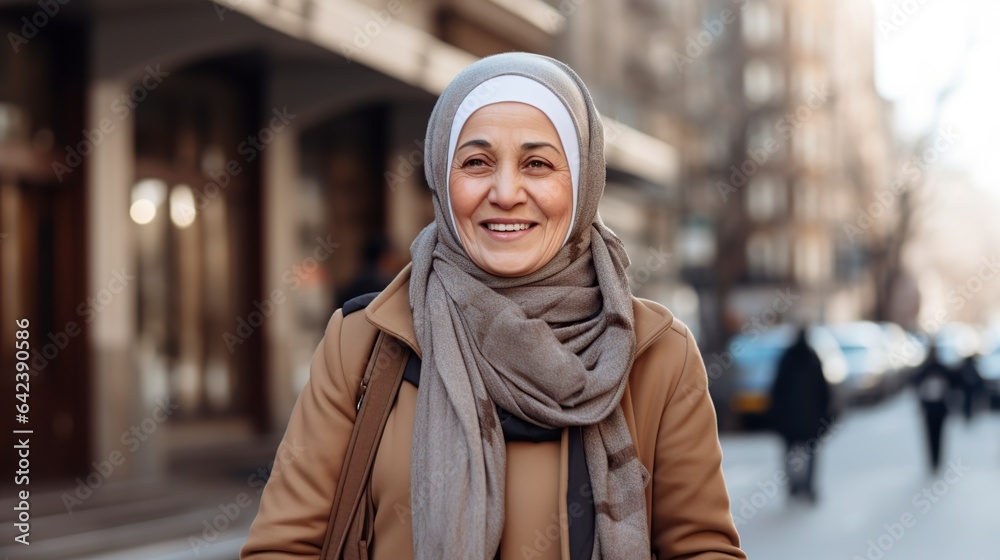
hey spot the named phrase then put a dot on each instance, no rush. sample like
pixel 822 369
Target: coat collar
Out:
pixel 390 312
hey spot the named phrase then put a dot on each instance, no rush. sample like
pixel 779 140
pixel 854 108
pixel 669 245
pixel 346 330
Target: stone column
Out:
pixel 118 402
pixel 281 194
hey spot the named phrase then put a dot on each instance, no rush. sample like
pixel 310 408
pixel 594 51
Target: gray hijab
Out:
pixel 554 348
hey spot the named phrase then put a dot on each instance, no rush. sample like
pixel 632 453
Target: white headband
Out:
pixel 521 90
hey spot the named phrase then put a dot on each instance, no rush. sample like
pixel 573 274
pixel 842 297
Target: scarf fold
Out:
pixel 553 348
pixel 579 495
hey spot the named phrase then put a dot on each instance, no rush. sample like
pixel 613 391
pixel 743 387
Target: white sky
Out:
pixel 916 59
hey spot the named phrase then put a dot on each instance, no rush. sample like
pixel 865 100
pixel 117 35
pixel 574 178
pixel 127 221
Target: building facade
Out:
pixel 208 173
pixel 784 141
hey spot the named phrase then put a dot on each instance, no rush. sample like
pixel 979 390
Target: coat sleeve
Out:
pixel 691 516
pixel 298 497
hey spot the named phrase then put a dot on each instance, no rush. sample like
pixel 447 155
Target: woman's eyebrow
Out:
pixel 475 142
pixel 532 145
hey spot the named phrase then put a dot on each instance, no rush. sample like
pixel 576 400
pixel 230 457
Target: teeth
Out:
pixel 507 227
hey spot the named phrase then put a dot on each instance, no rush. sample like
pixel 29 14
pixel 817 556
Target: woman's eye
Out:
pixel 537 164
pixel 474 162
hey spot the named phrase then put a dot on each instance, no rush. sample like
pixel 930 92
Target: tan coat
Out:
pixel 669 412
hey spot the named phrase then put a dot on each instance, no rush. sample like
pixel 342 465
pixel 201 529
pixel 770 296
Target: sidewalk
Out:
pixel 878 500
pixel 148 520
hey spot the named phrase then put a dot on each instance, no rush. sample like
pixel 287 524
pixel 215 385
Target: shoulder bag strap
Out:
pixel 375 398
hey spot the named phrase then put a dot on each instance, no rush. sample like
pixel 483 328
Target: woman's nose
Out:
pixel 507 190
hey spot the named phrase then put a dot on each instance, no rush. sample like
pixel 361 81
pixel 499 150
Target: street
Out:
pixel 877 497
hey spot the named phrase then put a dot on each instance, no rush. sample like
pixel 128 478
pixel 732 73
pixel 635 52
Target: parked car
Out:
pixel 869 371
pixel 755 366
pixel 905 352
pixel 955 342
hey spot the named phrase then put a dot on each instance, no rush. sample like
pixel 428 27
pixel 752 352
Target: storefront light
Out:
pixel 142 211
pixel 182 212
pixel 147 195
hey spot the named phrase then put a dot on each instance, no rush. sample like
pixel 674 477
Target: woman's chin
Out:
pixel 509 266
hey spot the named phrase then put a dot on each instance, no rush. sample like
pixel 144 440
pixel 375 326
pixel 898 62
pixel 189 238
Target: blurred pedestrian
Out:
pixel 800 409
pixel 377 270
pixel 933 381
pixel 972 385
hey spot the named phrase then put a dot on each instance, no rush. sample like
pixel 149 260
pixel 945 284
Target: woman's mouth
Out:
pixel 507 231
pixel 507 227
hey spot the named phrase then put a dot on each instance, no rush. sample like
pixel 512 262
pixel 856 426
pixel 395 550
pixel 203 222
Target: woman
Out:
pixel 557 416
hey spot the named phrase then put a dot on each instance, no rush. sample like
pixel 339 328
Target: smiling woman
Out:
pixel 546 412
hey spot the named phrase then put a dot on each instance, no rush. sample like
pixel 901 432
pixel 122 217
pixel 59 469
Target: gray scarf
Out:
pixel 554 348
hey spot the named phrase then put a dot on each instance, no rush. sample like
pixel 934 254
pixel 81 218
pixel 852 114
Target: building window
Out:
pixel 765 197
pixel 767 256
pixel 761 24
pixel 764 144
pixel 763 81
pixel 697 243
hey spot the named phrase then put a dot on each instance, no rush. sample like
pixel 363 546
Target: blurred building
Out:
pixel 783 141
pixel 185 185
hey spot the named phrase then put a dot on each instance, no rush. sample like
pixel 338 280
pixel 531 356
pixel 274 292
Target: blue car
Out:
pixel 746 391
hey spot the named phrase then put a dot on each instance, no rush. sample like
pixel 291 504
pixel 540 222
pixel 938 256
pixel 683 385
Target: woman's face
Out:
pixel 511 190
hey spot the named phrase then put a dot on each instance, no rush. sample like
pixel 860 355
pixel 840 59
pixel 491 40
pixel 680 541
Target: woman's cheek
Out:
pixel 463 197
pixel 555 199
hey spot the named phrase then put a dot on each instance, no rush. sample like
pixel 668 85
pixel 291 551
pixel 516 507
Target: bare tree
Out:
pixel 887 249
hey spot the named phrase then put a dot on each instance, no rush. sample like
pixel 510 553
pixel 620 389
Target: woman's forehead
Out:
pixel 509 116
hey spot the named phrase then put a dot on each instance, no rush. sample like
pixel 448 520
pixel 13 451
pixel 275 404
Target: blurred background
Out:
pixel 189 188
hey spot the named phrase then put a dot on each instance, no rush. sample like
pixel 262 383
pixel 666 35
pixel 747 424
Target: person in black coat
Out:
pixel 934 382
pixel 377 270
pixel 973 386
pixel 800 411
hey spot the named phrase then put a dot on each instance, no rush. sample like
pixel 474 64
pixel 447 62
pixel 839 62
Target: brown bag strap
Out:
pixel 375 398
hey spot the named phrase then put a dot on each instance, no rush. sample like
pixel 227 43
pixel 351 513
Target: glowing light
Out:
pixel 182 212
pixel 142 211
pixel 147 194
